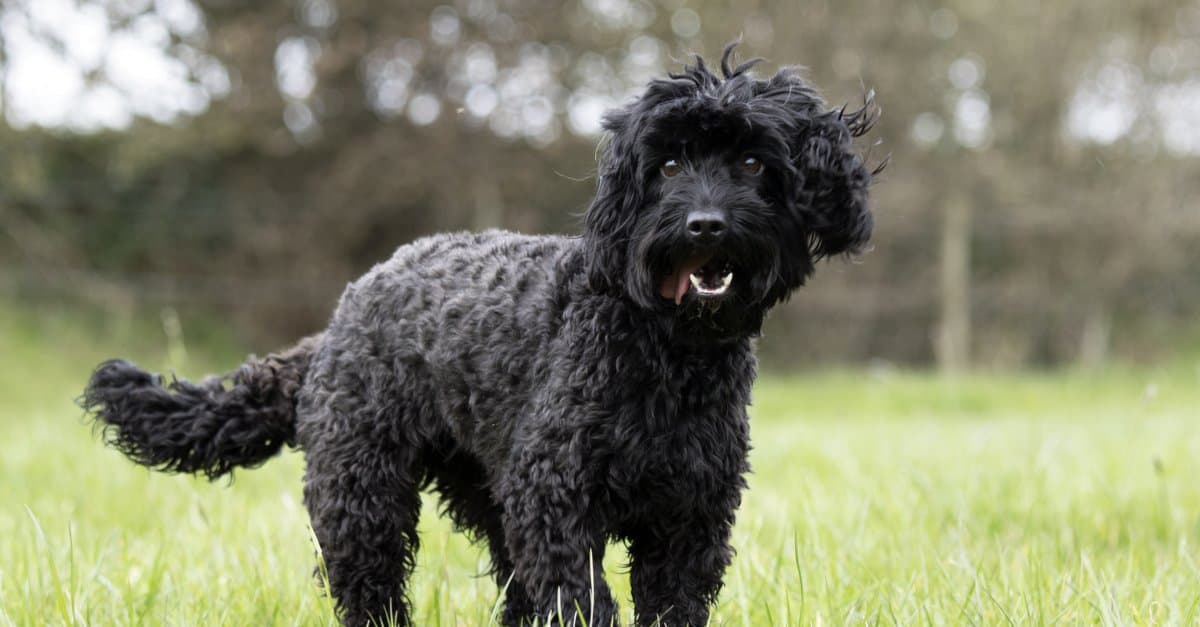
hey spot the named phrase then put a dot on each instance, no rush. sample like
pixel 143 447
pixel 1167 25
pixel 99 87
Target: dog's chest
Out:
pixel 678 462
pixel 677 434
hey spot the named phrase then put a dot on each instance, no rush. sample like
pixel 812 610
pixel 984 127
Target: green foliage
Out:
pixel 1076 249
pixel 891 498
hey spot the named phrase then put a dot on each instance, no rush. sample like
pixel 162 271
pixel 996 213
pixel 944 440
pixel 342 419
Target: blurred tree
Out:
pixel 1037 206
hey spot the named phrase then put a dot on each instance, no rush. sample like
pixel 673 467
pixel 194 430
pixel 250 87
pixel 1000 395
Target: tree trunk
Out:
pixel 1094 342
pixel 953 342
pixel 489 208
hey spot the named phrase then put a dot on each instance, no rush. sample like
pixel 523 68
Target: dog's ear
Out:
pixel 618 197
pixel 831 180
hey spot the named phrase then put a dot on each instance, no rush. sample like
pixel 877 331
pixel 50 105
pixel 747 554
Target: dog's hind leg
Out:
pixel 364 501
pixel 461 483
pixel 519 608
pixel 362 488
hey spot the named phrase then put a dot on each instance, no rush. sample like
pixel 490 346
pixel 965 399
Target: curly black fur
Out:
pixel 557 393
pixel 207 428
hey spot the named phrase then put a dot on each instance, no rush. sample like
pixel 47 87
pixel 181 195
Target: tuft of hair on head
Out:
pixel 729 57
pixel 730 69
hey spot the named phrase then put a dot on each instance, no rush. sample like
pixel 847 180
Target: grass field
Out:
pixel 893 498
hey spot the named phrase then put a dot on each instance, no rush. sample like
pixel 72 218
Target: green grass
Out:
pixel 893 498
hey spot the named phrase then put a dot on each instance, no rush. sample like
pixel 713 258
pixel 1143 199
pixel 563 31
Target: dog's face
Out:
pixel 717 195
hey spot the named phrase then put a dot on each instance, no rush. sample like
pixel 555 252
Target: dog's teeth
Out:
pixel 701 289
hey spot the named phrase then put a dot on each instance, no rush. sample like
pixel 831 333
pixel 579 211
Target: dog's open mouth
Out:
pixel 710 275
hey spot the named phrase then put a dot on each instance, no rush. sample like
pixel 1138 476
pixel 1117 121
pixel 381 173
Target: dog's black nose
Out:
pixel 705 226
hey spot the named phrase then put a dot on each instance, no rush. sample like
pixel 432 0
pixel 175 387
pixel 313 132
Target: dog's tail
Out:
pixel 208 428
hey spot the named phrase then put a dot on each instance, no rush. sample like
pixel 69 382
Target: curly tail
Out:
pixel 204 428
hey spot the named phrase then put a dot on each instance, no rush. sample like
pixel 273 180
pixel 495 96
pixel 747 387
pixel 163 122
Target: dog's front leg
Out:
pixel 677 569
pixel 556 542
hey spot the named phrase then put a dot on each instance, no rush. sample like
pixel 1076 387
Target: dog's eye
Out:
pixel 752 166
pixel 671 168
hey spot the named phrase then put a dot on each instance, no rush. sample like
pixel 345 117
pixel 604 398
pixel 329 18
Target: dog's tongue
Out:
pixel 675 286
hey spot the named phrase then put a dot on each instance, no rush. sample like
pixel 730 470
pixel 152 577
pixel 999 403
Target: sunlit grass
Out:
pixel 884 497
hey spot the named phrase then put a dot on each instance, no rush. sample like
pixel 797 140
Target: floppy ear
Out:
pixel 610 217
pixel 832 180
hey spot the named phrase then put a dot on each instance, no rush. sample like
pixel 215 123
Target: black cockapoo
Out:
pixel 556 392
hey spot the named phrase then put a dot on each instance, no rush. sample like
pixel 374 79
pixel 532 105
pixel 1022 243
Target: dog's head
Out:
pixel 718 194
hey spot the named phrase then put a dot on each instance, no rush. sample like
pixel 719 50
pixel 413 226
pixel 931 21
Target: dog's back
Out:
pixel 463 318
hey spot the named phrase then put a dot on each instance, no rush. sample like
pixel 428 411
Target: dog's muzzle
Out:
pixel 708 275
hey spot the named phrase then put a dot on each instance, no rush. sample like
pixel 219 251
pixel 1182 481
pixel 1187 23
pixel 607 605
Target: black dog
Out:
pixel 556 392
